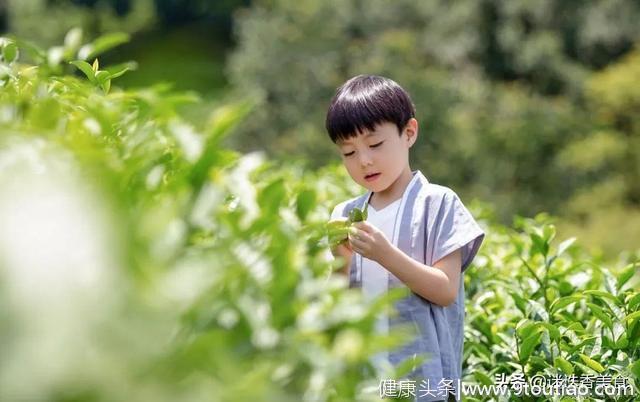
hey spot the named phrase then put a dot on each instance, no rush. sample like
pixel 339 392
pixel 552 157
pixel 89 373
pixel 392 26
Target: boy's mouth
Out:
pixel 372 176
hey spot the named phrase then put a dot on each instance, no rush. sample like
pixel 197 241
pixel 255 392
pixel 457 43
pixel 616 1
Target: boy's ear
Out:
pixel 411 129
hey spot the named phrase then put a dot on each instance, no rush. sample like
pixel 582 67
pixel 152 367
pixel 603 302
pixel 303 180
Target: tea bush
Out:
pixel 538 306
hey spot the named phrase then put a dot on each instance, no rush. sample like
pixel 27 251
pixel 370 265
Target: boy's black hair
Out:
pixel 365 101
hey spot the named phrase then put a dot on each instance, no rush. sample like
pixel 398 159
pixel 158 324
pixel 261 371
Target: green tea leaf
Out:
pixel 600 313
pixel 482 378
pixel 519 301
pixel 635 369
pixel 539 244
pixel 563 365
pixel 563 302
pixel 591 363
pixel 632 316
pixel 356 215
pixel 562 247
pixel 554 332
pixel 305 201
pixel 10 52
pixel 86 69
pixel 634 301
pixel 102 44
pixel 103 79
pixel 120 69
pixel 549 233
pixel 527 346
pixel 626 274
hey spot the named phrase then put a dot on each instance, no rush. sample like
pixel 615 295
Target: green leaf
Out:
pixel 539 244
pixel 527 346
pixel 626 274
pixel 95 66
pixel 408 365
pixel 272 197
pixel 10 52
pixel 482 378
pixel 635 369
pixel 224 118
pixel 634 331
pixel 632 316
pixel 600 313
pixel 622 342
pixel 565 288
pixel 634 301
pixel 102 44
pixel 563 302
pixel 119 69
pixel 549 233
pixel 585 341
pixel 305 201
pixel 104 79
pixel 222 121
pixel 563 365
pixel 357 215
pixel 601 294
pixel 520 302
pixel 585 369
pixel 562 247
pixel 591 363
pixel 554 332
pixel 86 69
pixel 37 53
pixel 525 328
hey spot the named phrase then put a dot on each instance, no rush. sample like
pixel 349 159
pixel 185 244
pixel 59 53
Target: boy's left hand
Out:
pixel 369 241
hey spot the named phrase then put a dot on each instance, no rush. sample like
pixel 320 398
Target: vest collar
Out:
pixel 417 177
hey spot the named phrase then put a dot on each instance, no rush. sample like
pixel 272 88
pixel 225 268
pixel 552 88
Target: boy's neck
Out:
pixel 395 191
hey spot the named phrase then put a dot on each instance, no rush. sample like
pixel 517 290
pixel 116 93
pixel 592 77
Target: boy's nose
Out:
pixel 365 159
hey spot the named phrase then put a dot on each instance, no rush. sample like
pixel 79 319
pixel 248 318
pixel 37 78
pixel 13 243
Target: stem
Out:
pixel 537 278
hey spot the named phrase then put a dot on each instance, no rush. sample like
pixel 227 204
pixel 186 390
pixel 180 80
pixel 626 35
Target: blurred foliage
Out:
pixel 214 276
pixel 142 260
pixel 46 22
pixel 604 161
pixel 32 19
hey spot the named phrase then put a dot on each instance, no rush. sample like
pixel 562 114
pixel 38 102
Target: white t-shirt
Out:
pixel 374 276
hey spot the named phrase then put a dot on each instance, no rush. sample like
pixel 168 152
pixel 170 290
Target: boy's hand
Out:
pixel 369 241
pixel 343 250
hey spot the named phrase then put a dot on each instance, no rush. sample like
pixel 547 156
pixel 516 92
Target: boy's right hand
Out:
pixel 343 250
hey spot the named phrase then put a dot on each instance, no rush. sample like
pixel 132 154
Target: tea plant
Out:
pixel 538 307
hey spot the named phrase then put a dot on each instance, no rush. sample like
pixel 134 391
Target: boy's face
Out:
pixel 375 159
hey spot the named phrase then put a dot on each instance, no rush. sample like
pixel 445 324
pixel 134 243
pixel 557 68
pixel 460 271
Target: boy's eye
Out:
pixel 349 153
pixel 376 145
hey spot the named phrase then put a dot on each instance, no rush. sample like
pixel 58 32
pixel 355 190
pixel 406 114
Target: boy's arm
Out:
pixel 438 284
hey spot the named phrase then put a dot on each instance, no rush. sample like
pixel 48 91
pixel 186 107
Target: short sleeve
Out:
pixel 456 228
pixel 337 211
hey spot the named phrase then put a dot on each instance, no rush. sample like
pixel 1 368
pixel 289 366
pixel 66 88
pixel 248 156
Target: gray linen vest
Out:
pixel 431 223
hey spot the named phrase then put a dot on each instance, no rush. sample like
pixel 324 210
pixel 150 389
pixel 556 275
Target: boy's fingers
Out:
pixel 360 238
pixel 364 226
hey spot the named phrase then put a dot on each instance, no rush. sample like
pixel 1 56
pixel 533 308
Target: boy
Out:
pixel 417 235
